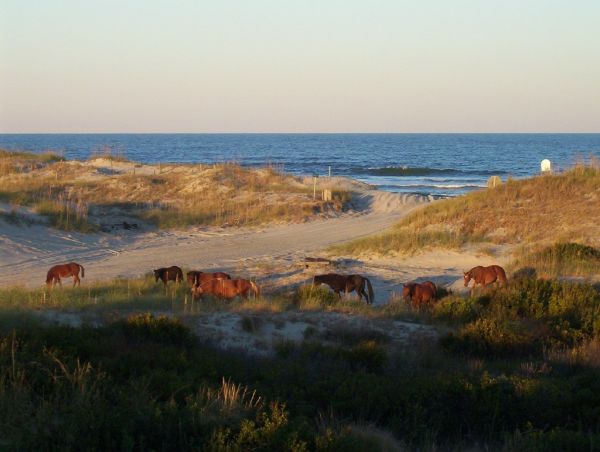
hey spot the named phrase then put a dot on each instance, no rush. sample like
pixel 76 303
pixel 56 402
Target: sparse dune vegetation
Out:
pixel 82 196
pixel 539 210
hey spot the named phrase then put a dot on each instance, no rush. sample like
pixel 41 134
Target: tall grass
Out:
pixel 561 207
pixel 15 162
pixel 66 214
pixel 561 259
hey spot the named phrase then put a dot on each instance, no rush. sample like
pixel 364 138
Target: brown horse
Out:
pixel 64 271
pixel 419 294
pixel 226 288
pixel 166 274
pixel 484 276
pixel 347 283
pixel 194 276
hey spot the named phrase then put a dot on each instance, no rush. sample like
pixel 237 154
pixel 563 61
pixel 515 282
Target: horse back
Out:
pixel 424 292
pixel 335 281
pixel 432 286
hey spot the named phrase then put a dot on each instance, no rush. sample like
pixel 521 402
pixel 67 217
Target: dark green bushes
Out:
pixel 146 383
pixel 524 319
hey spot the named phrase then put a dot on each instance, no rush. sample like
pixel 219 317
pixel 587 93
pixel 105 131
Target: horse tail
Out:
pixel 255 289
pixel 82 270
pixel 370 287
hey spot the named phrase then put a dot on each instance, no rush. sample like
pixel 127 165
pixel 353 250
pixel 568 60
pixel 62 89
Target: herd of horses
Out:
pixel 221 285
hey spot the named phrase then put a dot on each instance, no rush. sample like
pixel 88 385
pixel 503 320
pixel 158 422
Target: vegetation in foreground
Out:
pixel 548 208
pixel 520 371
pixel 80 195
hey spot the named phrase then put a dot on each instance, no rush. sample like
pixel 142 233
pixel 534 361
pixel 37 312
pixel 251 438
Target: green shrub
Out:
pixel 524 318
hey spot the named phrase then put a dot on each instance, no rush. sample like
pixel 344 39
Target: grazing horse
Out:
pixel 194 276
pixel 226 288
pixel 484 276
pixel 166 274
pixel 63 271
pixel 419 294
pixel 347 284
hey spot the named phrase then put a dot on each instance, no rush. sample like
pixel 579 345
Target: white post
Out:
pixel 329 170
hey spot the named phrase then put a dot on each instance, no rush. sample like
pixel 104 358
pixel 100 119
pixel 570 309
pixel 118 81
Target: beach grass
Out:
pixel 80 195
pixel 560 259
pixel 547 208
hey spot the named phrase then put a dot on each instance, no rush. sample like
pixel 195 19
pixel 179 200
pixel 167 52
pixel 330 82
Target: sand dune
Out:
pixel 30 250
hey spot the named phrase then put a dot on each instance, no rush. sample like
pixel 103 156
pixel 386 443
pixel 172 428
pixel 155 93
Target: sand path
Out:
pixel 30 250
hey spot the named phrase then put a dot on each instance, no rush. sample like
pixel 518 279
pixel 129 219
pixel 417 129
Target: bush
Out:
pixel 525 318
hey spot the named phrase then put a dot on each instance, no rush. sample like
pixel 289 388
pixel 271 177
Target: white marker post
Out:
pixel 546 166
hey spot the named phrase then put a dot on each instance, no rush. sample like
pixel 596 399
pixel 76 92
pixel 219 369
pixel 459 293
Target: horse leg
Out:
pixel 361 293
pixel 59 283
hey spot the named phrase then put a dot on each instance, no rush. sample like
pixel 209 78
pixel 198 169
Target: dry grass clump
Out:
pixel 561 259
pixel 561 207
pixel 13 162
pixel 78 195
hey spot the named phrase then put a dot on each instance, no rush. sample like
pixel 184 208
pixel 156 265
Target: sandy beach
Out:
pixel 274 254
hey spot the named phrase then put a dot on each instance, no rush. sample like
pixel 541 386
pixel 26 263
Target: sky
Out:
pixel 299 66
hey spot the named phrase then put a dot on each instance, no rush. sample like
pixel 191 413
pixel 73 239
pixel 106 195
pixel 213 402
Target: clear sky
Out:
pixel 300 66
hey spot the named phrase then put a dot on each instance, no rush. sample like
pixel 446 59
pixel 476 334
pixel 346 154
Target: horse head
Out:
pixel 467 277
pixel 316 280
pixel 156 275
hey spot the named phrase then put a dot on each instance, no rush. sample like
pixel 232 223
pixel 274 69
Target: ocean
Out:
pixel 430 164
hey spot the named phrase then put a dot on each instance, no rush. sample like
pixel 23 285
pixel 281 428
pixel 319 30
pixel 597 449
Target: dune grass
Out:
pixel 75 196
pixel 561 259
pixel 15 162
pixel 560 207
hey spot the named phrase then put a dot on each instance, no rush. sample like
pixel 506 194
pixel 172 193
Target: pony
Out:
pixel 347 283
pixel 63 271
pixel 166 274
pixel 226 288
pixel 419 294
pixel 194 276
pixel 484 276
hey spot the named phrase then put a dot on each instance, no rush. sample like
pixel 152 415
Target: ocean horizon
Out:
pixel 440 164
